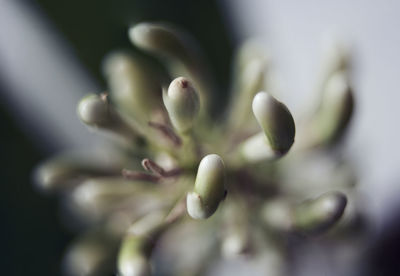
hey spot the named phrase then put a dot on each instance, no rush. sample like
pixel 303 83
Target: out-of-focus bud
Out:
pixel 278 214
pixel 65 172
pixel 132 258
pixel 250 76
pixel 92 254
pixel 335 110
pixel 136 247
pixel 58 174
pixel 275 120
pixel 209 188
pixel 96 198
pixel 319 214
pixel 135 86
pixel 179 50
pixel 95 111
pixel 182 104
pixel 161 39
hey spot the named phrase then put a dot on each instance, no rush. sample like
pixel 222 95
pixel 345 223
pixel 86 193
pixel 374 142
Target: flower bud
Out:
pixel 318 215
pixel 275 120
pixel 179 51
pixel 335 110
pixel 92 254
pixel 209 188
pixel 278 214
pixel 132 258
pixel 135 85
pixel 182 104
pixel 95 111
pixel 136 247
pixel 161 39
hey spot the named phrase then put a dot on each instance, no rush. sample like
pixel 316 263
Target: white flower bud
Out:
pixel 135 85
pixel 94 111
pixel 318 215
pixel 335 110
pixel 275 120
pixel 161 39
pixel 182 104
pixel 209 188
pixel 92 254
pixel 132 258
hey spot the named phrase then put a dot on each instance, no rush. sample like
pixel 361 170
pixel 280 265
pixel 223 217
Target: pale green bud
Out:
pixel 275 120
pixel 135 85
pixel 319 214
pixel 278 214
pixel 92 254
pixel 163 40
pixel 58 174
pixel 95 111
pixel 335 110
pixel 65 172
pixel 136 247
pixel 179 51
pixel 209 188
pixel 133 258
pixel 182 103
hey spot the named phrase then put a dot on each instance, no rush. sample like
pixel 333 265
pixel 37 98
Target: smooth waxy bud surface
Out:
pixel 209 188
pixel 275 120
pixel 93 110
pixel 318 215
pixel 182 103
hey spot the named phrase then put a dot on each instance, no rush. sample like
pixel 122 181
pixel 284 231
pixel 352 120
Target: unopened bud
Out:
pixel 136 247
pixel 161 39
pixel 95 111
pixel 132 258
pixel 320 214
pixel 92 254
pixel 182 104
pixel 275 120
pixel 335 111
pixel 209 188
pixel 135 85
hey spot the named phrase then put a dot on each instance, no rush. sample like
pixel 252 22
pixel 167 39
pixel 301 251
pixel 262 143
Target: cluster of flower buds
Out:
pixel 174 165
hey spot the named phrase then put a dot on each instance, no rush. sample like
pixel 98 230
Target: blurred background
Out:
pixel 51 52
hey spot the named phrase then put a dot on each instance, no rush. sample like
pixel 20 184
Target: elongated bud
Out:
pixel 59 174
pixel 275 120
pixel 162 40
pixel 278 214
pixel 136 247
pixel 209 188
pixel 179 51
pixel 182 104
pixel 92 254
pixel 250 77
pixel 335 111
pixel 67 170
pixel 132 258
pixel 135 85
pixel 96 198
pixel 95 111
pixel 318 215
